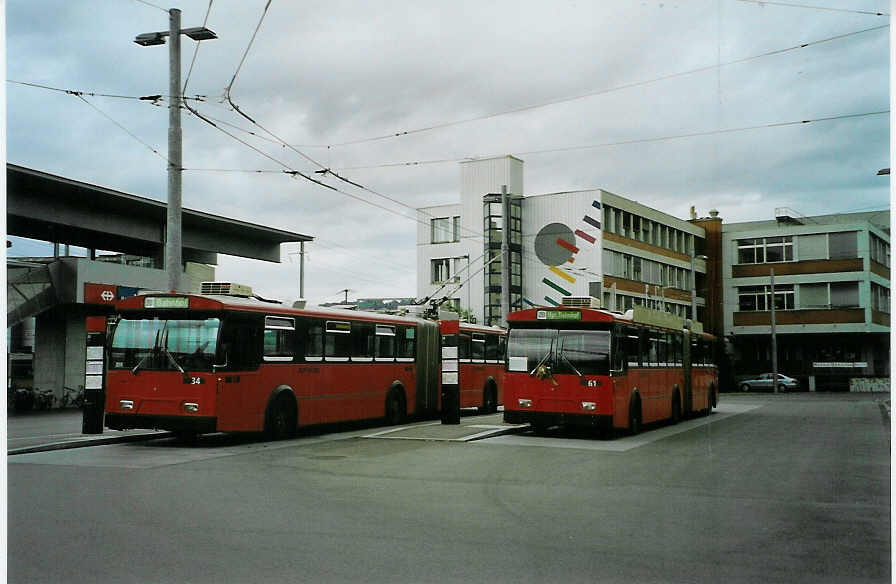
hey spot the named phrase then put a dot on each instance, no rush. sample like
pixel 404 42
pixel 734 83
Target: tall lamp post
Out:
pixel 173 227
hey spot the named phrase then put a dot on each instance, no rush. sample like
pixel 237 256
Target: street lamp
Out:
pixel 173 242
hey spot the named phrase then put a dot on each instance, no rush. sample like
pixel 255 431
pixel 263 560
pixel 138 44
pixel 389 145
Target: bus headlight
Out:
pixel 191 408
pixel 589 406
pixel 126 404
pixel 525 403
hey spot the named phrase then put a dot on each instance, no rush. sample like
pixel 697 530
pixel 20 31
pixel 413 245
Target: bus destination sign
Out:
pixel 166 302
pixel 558 315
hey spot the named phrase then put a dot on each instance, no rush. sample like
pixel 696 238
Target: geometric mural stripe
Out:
pixel 556 287
pixel 565 244
pixel 552 302
pixel 563 275
pixel 592 222
pixel 585 236
pixel 596 204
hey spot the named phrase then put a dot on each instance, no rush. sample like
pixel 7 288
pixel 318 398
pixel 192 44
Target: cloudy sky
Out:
pixel 670 103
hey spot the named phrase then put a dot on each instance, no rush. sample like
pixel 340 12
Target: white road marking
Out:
pixel 620 444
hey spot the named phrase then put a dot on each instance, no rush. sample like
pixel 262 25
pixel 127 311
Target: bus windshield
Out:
pixel 164 345
pixel 580 352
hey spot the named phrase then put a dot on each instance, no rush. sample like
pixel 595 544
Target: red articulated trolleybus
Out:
pixel 577 365
pixel 228 361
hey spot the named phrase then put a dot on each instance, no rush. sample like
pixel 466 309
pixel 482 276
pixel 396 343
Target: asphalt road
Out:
pixel 791 488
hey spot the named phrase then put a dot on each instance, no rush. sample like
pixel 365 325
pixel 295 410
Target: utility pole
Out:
pixel 173 239
pixel 173 226
pixel 302 269
pixel 505 255
pixel 774 337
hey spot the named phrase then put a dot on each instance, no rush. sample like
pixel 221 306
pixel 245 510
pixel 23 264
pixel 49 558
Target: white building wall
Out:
pixel 480 178
pixel 544 217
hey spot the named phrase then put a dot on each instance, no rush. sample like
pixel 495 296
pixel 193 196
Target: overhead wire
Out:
pixel 605 90
pixel 322 168
pixel 131 134
pixel 152 5
pixel 791 5
pixel 587 146
pixel 196 50
pixel 154 98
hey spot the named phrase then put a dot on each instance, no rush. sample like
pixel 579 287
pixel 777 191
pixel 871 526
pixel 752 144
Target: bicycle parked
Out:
pixel 72 397
pixel 43 399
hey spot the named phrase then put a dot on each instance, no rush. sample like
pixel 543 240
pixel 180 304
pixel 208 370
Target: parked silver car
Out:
pixel 765 382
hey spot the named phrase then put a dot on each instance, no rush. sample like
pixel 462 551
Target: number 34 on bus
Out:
pixel 611 371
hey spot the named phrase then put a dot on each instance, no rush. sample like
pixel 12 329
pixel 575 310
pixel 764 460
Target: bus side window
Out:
pixel 675 346
pixel 502 347
pixel 407 343
pixel 314 340
pixel 491 347
pixel 385 343
pixel 243 338
pixel 653 348
pixel 279 338
pixel 338 340
pixel 463 348
pixel 630 346
pixel 362 341
pixel 478 347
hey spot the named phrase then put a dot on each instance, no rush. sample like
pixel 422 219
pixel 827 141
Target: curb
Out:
pixel 88 442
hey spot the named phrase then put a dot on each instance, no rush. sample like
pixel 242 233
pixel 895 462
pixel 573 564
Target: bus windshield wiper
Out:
pixel 145 357
pixel 563 356
pixel 168 354
pixel 543 359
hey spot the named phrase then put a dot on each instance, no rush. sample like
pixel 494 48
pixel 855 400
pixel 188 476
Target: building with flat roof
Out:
pixel 573 243
pixel 831 296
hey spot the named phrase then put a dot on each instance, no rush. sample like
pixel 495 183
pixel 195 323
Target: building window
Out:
pixel 843 245
pixel 814 296
pixel 757 298
pixel 880 298
pixel 445 229
pixel 880 250
pixel 844 294
pixel 762 250
pixel 440 270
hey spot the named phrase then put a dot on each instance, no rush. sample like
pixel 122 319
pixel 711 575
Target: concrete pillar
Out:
pixel 59 349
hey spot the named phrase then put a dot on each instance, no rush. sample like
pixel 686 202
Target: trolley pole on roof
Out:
pixel 505 255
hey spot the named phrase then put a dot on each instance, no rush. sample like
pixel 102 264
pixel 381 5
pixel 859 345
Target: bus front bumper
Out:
pixel 547 419
pixel 200 425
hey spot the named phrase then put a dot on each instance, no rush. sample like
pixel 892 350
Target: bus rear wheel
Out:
pixel 676 410
pixel 395 408
pixel 282 419
pixel 489 401
pixel 634 418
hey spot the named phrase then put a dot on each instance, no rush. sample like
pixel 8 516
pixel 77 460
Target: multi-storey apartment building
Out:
pixel 831 295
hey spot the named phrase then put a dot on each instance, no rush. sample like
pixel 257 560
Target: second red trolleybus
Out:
pixel 227 361
pixel 577 365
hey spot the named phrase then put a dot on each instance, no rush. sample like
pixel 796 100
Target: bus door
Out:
pixel 631 373
pixel 240 401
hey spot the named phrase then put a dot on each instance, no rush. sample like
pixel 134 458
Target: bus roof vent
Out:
pixel 225 289
pixel 581 301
